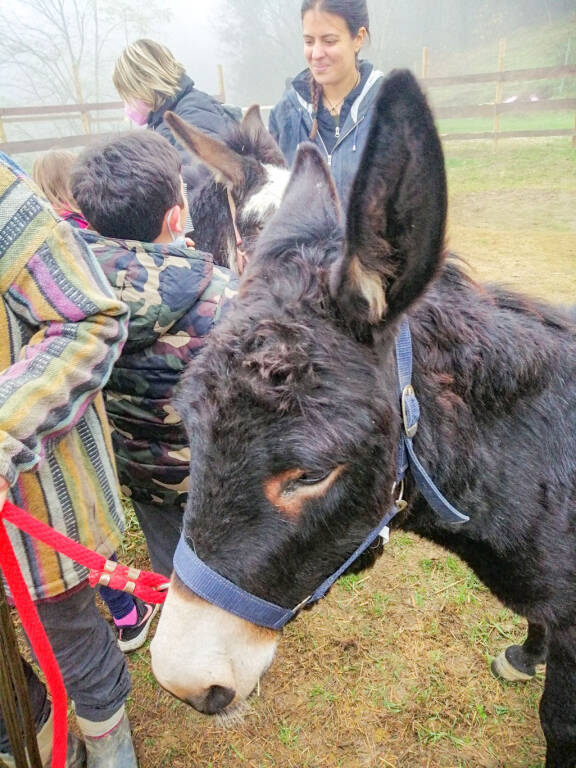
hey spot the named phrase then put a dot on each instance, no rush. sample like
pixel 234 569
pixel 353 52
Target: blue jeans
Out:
pixel 161 527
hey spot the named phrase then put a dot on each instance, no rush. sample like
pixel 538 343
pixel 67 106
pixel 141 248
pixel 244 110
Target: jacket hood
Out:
pixel 301 84
pixel 155 118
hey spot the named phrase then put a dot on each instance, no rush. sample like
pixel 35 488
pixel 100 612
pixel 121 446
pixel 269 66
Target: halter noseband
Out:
pixel 211 586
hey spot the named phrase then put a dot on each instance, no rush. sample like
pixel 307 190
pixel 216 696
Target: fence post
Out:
pixel 498 99
pixel 14 698
pixel 425 62
pixel 221 91
pixel 85 117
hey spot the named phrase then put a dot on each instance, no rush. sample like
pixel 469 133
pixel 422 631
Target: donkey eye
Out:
pixel 312 478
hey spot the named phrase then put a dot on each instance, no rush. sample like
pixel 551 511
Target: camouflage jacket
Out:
pixel 175 296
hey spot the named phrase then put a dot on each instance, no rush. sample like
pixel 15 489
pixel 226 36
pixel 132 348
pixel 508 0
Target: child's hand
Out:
pixel 190 243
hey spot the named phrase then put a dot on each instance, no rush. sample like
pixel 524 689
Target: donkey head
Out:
pixel 292 408
pixel 251 167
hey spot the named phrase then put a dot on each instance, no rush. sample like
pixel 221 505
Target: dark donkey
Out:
pixel 230 207
pixel 293 411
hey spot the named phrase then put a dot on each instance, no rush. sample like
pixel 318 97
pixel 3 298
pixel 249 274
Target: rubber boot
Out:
pixel 109 744
pixel 75 755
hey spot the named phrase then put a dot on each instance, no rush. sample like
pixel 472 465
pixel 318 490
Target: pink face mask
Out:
pixel 137 111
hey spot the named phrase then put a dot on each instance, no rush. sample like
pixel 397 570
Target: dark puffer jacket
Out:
pixel 175 296
pixel 196 108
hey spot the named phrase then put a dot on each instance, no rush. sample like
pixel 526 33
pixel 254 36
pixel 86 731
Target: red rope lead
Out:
pixel 146 585
pixel 40 644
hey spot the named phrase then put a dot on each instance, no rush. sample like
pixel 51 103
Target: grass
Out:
pixel 517 164
pixel 512 213
pixel 563 119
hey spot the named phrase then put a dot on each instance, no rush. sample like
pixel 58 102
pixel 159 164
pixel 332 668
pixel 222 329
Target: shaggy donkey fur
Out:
pixel 293 408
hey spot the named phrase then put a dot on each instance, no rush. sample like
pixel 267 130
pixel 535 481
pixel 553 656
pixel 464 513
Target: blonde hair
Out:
pixel 147 71
pixel 52 173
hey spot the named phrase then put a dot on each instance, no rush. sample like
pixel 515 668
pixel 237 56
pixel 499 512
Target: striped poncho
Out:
pixel 61 329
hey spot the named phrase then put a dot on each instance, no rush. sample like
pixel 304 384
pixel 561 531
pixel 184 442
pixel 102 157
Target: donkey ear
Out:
pixel 267 151
pixel 397 208
pixel 226 165
pixel 310 209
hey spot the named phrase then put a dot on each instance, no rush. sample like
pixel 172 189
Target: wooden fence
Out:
pixel 89 114
pixel 92 113
pixel 498 108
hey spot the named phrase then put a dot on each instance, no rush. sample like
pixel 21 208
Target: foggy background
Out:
pixel 63 51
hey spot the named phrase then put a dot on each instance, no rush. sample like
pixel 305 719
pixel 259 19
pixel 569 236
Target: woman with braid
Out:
pixel 329 103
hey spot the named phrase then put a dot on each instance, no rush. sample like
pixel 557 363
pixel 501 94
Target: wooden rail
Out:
pixel 494 110
pixel 14 113
pixel 506 76
pixel 64 142
pixel 499 107
pixel 489 110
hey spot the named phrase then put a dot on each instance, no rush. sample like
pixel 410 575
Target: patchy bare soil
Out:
pixel 525 238
pixel 392 669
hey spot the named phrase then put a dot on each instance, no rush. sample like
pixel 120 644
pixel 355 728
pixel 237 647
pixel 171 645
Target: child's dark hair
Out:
pixel 355 14
pixel 125 186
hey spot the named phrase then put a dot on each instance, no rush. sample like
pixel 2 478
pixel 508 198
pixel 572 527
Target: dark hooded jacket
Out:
pixel 291 122
pixel 196 108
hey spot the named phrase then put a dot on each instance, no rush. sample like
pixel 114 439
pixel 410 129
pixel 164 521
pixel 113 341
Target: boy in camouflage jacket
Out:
pixel 130 190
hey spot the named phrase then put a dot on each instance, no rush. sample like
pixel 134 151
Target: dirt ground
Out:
pixel 525 238
pixel 392 669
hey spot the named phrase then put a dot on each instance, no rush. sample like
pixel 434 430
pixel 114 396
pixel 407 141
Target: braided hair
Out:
pixel 355 14
pixel 315 91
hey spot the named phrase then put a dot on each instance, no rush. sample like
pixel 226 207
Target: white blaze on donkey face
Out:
pixel 267 200
pixel 205 656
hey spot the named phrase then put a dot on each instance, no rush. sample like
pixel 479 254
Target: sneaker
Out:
pixel 132 637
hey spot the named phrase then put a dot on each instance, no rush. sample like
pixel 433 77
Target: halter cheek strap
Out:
pixel 216 589
pixel 410 416
pixel 232 205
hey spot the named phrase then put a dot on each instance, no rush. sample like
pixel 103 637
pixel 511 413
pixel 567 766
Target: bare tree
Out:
pixel 263 39
pixel 54 50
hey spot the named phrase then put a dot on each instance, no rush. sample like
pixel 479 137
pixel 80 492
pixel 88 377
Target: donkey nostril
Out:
pixel 217 698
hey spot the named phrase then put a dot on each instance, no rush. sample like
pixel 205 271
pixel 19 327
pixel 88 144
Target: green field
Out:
pixel 512 212
pixel 553 45
pixel 560 120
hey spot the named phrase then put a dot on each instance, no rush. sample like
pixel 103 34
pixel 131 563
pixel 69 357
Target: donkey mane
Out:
pixel 495 345
pixel 466 337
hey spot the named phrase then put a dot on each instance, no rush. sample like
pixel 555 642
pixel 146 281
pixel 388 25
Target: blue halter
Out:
pixel 216 589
